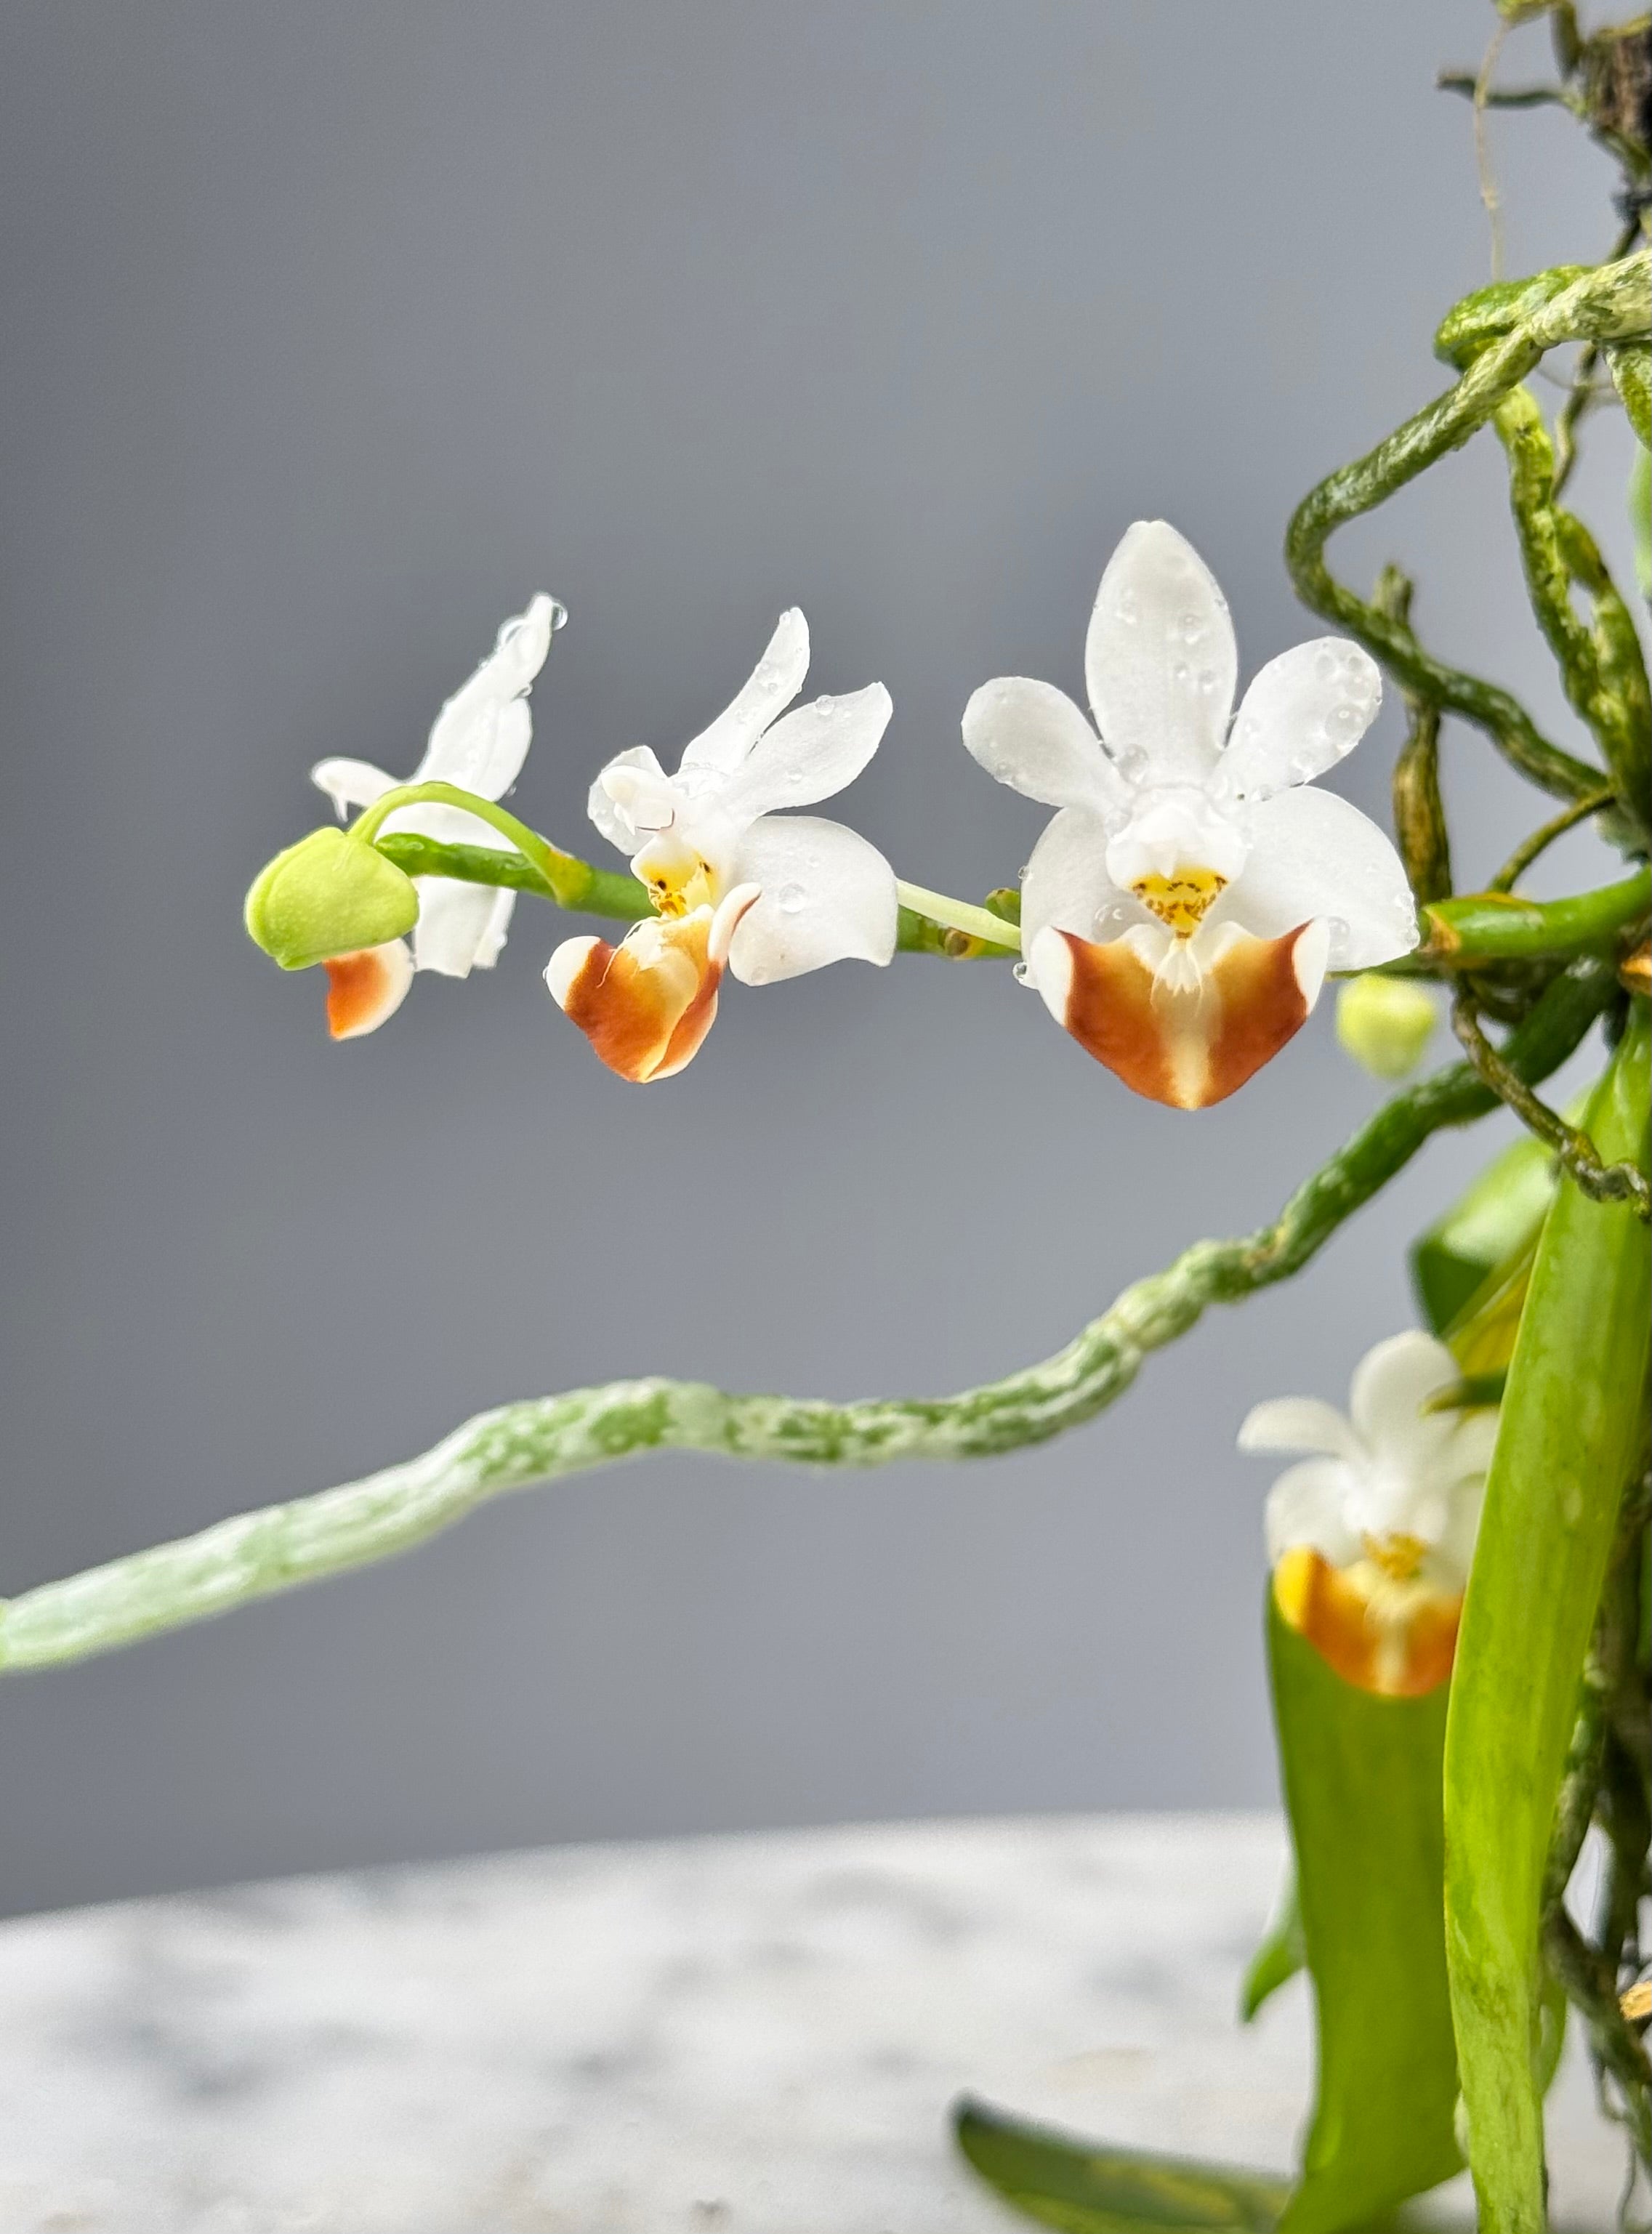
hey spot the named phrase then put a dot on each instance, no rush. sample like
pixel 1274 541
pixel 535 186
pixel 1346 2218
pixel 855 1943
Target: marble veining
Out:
pixel 743 2035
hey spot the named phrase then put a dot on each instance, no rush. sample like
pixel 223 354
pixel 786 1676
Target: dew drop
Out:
pixel 1192 627
pixel 1326 665
pixel 1022 974
pixel 823 703
pixel 1132 763
pixel 1181 674
pixel 1127 608
pixel 1344 725
pixel 1303 768
pixel 1207 680
pixel 1338 927
pixel 790 898
pixel 1021 873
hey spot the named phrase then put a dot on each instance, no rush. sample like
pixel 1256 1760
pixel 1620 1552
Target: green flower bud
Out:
pixel 328 894
pixel 1385 1023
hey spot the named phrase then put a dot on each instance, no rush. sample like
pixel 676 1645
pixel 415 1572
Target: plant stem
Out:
pixel 1495 926
pixel 1544 836
pixel 975 923
pixel 1609 304
pixel 543 1439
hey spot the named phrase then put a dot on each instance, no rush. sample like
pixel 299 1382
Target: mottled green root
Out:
pixel 546 1438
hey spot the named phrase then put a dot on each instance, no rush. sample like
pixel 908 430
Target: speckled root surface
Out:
pixel 757 2035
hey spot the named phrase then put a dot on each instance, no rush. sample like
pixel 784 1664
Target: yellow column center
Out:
pixel 1180 901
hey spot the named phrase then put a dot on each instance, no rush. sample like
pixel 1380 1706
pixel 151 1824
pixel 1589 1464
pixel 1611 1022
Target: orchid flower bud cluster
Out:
pixel 1180 913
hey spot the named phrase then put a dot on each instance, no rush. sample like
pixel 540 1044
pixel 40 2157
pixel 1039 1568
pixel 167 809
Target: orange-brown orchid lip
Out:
pixel 1395 1639
pixel 1187 1049
pixel 646 1004
pixel 364 987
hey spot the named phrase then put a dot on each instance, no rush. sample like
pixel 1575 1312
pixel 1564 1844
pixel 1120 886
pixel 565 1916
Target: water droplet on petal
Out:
pixel 1303 768
pixel 1192 627
pixel 1021 873
pixel 1338 927
pixel 1022 974
pixel 1132 764
pixel 1181 674
pixel 823 703
pixel 1326 664
pixel 1344 725
pixel 1127 608
pixel 790 898
pixel 1207 680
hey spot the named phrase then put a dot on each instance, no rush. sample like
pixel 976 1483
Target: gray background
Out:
pixel 334 331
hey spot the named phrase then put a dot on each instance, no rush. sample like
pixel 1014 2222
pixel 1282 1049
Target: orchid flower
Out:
pixel 735 884
pixel 1180 912
pixel 1371 1538
pixel 478 741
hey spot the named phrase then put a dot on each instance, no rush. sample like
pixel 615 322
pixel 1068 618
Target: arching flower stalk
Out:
pixel 479 743
pixel 1180 912
pixel 734 883
pixel 1370 1538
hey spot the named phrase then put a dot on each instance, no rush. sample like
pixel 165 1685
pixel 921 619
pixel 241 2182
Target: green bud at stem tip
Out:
pixel 328 895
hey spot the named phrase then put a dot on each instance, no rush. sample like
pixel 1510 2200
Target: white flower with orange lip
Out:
pixel 478 741
pixel 1180 913
pixel 1371 1538
pixel 734 883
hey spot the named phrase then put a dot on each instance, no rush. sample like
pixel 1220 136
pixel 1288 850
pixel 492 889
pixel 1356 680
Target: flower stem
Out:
pixel 564 876
pixel 544 1438
pixel 975 923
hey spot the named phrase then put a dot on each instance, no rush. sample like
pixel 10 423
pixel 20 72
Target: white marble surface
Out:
pixel 756 2035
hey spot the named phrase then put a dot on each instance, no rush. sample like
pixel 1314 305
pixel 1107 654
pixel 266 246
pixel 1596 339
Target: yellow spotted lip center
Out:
pixel 1181 902
pixel 1398 1557
pixel 681 894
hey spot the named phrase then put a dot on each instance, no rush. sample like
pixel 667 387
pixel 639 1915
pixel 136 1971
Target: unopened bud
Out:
pixel 1385 1023
pixel 330 894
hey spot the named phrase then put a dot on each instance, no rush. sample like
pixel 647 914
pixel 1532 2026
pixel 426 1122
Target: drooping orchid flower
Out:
pixel 1371 1538
pixel 1180 912
pixel 734 883
pixel 478 741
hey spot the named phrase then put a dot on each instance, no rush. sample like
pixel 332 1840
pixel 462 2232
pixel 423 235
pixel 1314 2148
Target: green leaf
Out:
pixel 1502 1209
pixel 1085 2189
pixel 1284 1950
pixel 1571 1427
pixel 1363 1783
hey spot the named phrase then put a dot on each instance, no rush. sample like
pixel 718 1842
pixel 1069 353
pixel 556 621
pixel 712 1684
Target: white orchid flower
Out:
pixel 478 741
pixel 1180 912
pixel 734 882
pixel 1371 1538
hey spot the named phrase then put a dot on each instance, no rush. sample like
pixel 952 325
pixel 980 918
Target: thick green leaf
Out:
pixel 1284 1950
pixel 1086 2190
pixel 1363 1783
pixel 1487 1226
pixel 1571 1426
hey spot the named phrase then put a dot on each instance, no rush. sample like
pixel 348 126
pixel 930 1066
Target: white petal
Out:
pixel 1298 1423
pixel 774 681
pixel 1066 882
pixel 461 927
pixel 1312 854
pixel 1309 1505
pixel 1178 827
pixel 829 896
pixel 615 826
pixel 350 783
pixel 1391 1385
pixel 480 738
pixel 1159 659
pixel 1301 715
pixel 1031 736
pixel 808 755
